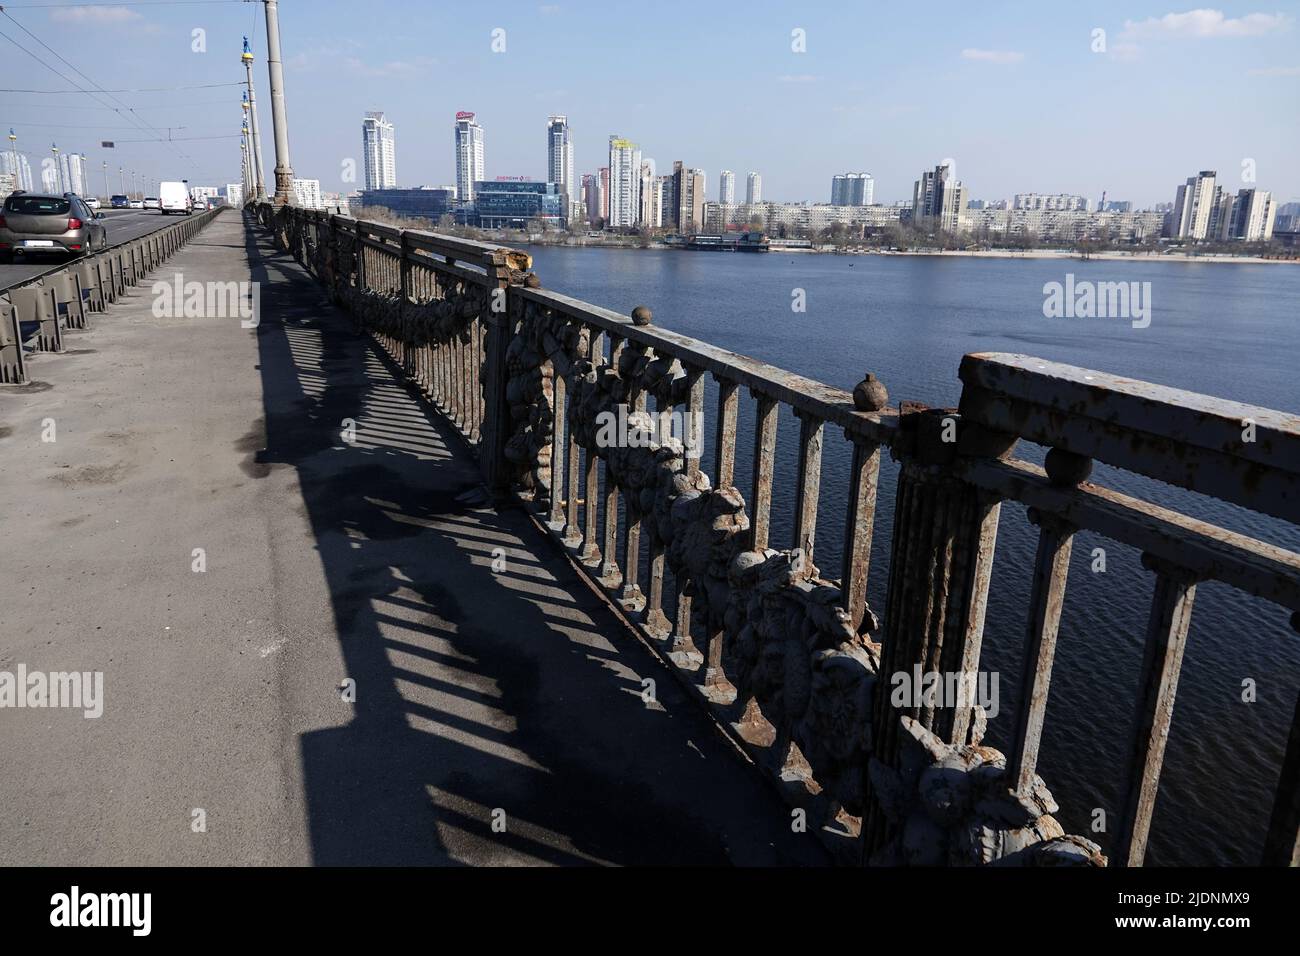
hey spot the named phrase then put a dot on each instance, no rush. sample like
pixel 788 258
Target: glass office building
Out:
pixel 513 204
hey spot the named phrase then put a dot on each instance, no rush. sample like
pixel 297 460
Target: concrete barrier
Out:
pixel 12 371
pixel 69 299
pixel 118 263
pixel 133 266
pixel 36 302
pixel 87 272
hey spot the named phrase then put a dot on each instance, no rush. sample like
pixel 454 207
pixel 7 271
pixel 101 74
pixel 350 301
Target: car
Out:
pixel 175 198
pixel 33 223
pixel 119 202
pixel 94 203
pixel 151 202
pixel 137 204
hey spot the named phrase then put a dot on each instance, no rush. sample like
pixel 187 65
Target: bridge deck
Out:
pixel 476 690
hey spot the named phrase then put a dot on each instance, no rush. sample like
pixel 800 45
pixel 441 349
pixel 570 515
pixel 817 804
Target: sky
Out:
pixel 1021 96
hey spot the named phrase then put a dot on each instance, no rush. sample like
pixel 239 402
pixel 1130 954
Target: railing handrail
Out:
pixel 1113 397
pixel 830 404
pixel 475 251
pixel 1252 566
pixel 1240 453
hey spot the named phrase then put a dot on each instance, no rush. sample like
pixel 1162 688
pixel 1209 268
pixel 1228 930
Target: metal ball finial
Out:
pixel 870 394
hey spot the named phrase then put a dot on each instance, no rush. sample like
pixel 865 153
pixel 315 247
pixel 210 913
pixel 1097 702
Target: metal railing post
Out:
pixel 499 324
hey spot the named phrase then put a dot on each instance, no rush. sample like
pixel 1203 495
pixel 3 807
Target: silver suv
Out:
pixel 36 223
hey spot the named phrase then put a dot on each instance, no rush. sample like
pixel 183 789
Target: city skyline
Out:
pixel 627 194
pixel 847 189
pixel 632 196
pixel 1028 108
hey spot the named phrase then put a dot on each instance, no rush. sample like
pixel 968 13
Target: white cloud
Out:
pixel 547 9
pixel 98 15
pixel 1207 23
pixel 1277 71
pixel 797 78
pixel 992 56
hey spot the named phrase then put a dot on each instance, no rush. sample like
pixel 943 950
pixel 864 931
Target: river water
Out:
pixel 1229 330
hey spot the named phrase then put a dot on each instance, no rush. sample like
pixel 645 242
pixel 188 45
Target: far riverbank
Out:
pixel 1073 254
pixel 1040 254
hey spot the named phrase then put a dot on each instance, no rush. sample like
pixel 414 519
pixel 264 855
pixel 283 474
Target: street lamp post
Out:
pixel 275 70
pixel 246 156
pixel 106 193
pixel 58 173
pixel 247 167
pixel 13 148
pixel 250 107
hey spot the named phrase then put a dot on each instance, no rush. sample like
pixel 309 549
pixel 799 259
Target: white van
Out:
pixel 173 197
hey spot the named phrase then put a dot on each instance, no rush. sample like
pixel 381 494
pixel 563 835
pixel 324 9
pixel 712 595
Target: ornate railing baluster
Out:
pixel 610 575
pixel 1046 598
pixel 559 445
pixel 808 483
pixel 682 643
pixel 572 531
pixel 1162 662
pixel 632 598
pixel 591 476
pixel 724 469
pixel 864 477
pixel 760 518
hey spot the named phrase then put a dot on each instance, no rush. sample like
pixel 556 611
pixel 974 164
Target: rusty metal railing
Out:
pixel 1242 454
pixel 794 664
pixel 435 303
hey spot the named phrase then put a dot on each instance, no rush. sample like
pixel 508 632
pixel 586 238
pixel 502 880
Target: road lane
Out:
pixel 123 224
